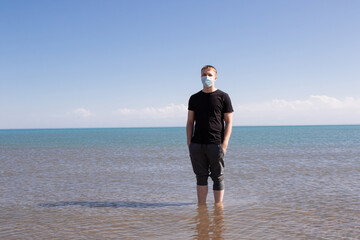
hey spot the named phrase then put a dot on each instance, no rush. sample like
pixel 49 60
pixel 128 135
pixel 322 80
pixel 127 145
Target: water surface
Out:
pixel 298 182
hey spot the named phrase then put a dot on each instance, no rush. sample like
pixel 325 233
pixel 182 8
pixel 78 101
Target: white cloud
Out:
pixel 169 115
pixel 169 111
pixel 125 112
pixel 81 113
pixel 317 109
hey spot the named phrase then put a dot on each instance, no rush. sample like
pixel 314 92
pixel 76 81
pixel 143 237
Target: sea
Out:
pixel 281 182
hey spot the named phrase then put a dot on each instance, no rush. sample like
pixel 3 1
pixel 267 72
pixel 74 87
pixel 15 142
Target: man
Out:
pixel 210 110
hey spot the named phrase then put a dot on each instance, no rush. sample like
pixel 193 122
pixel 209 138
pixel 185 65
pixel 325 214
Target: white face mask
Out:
pixel 207 81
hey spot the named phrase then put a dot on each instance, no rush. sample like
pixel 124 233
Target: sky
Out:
pixel 135 63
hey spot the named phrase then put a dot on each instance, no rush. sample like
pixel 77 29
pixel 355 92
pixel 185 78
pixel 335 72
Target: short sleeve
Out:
pixel 227 104
pixel 191 104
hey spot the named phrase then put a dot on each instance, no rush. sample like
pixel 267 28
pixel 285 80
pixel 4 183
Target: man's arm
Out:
pixel 228 129
pixel 190 126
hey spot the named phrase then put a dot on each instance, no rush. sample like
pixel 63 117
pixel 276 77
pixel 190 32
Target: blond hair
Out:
pixel 209 67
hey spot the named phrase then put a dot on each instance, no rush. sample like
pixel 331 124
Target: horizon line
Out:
pixel 283 125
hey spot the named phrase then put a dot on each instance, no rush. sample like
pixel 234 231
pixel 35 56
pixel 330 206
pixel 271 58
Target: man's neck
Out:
pixel 209 89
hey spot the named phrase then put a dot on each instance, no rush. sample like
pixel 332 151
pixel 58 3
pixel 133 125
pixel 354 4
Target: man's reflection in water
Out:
pixel 218 221
pixel 209 225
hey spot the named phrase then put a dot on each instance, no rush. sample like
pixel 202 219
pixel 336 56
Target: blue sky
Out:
pixel 136 63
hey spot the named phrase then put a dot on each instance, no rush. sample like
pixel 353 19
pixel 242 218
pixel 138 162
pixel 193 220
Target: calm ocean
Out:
pixel 292 182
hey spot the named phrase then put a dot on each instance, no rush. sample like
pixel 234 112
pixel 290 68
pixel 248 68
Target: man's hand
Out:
pixel 190 126
pixel 224 147
pixel 228 129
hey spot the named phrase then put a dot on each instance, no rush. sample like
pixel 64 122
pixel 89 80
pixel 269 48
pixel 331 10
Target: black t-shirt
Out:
pixel 209 111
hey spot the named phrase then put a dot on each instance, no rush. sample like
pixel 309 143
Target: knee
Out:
pixel 219 183
pixel 202 180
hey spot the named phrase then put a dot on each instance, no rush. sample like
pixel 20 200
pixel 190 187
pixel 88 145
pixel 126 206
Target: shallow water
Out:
pixel 281 183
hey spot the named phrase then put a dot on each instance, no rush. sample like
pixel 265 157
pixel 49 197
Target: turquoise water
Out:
pixel 289 182
pixel 346 134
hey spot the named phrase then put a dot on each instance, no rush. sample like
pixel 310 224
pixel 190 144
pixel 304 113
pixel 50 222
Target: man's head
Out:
pixel 208 68
pixel 208 76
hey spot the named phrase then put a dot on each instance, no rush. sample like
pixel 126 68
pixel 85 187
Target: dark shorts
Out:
pixel 208 160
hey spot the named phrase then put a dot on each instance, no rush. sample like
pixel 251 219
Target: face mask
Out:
pixel 207 81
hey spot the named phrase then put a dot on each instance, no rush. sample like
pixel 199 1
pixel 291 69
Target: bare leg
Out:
pixel 202 192
pixel 218 196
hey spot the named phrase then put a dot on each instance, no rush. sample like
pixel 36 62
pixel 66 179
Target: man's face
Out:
pixel 208 72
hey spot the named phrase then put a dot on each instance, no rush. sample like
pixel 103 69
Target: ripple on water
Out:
pixel 279 185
